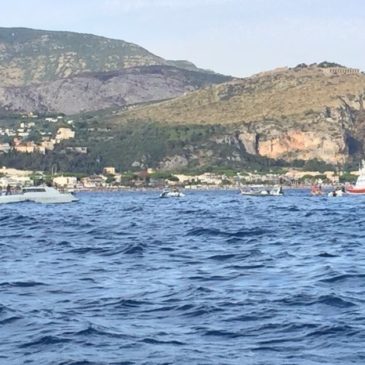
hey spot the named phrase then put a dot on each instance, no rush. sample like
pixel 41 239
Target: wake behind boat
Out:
pixel 172 194
pixel 38 194
pixel 254 191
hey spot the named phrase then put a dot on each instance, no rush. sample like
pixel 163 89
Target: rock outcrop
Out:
pixel 95 91
pixel 290 114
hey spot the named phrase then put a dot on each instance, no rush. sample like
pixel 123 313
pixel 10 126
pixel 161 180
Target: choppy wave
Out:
pixel 213 278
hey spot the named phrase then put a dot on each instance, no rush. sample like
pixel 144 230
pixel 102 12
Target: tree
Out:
pixel 34 136
pixel 110 179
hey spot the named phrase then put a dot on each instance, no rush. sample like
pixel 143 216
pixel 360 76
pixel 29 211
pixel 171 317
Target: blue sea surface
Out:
pixel 211 278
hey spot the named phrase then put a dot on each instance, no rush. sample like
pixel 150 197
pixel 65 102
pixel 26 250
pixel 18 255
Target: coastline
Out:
pixel 199 188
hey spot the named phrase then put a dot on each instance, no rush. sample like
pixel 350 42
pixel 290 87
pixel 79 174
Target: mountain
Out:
pixel 49 71
pixel 306 112
pixel 113 89
pixel 31 56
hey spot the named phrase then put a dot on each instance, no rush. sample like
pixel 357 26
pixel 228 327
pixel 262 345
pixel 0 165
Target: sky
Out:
pixel 233 37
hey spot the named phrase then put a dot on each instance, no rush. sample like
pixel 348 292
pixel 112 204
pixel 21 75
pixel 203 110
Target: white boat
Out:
pixel 337 192
pixel 38 194
pixel 359 187
pixel 275 191
pixel 171 194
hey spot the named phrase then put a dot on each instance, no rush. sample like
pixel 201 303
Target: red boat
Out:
pixel 359 187
pixel 355 190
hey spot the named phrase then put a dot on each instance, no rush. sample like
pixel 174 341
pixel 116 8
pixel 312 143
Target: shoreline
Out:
pixel 200 188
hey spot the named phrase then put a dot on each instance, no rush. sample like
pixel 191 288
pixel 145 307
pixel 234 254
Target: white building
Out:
pixel 5 147
pixel 65 181
pixel 64 133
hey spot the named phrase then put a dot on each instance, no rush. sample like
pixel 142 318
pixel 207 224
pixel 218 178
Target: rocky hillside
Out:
pixel 28 55
pixel 95 91
pixel 47 71
pixel 301 113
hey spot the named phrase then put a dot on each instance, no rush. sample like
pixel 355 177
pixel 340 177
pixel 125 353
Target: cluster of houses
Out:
pixel 111 179
pixel 20 138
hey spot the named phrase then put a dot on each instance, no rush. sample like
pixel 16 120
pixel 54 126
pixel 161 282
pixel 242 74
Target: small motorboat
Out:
pixel 252 191
pixel 336 192
pixel 171 194
pixel 37 194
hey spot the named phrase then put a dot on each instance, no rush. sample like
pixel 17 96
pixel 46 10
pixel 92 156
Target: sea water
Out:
pixel 210 278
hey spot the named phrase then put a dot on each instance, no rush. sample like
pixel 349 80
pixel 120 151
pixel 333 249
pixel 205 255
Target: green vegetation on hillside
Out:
pixel 30 55
pixel 133 146
pixel 326 64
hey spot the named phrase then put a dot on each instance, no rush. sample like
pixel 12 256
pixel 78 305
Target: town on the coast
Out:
pixel 112 180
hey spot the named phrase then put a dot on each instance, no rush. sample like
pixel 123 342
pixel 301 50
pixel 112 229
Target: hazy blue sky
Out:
pixel 237 37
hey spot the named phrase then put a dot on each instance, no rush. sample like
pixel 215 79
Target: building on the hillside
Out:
pixel 15 172
pixel 185 179
pixel 48 144
pixel 78 149
pixel 340 71
pixel 64 133
pixel 207 178
pixel 24 134
pixel 5 147
pixel 211 179
pixel 94 181
pixel 29 115
pixel 28 147
pixel 65 181
pixel 10 132
pixel 15 181
pixel 110 170
pixel 118 178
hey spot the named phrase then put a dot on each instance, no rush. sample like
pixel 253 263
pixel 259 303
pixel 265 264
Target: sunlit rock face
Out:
pixel 305 146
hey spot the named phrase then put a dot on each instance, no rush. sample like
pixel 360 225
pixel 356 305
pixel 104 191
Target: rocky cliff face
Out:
pixel 95 91
pixel 297 144
pixel 44 71
pixel 329 135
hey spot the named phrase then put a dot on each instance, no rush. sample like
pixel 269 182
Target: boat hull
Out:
pixel 356 191
pixel 58 200
pixel 172 195
pixel 44 195
pixel 12 199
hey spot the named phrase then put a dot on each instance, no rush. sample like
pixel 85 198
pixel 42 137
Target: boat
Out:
pixel 252 191
pixel 336 192
pixel 316 190
pixel 38 194
pixel 359 187
pixel 171 194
